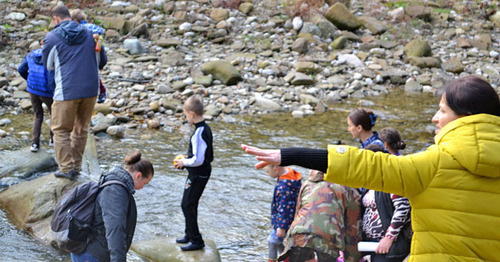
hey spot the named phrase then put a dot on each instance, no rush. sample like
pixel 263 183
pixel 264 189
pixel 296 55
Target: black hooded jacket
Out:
pixel 114 219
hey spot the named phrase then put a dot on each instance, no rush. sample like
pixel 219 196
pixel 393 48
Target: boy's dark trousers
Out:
pixel 36 103
pixel 192 193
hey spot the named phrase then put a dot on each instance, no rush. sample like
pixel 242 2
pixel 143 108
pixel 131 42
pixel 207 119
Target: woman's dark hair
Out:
pixel 136 164
pixel 364 117
pixel 392 137
pixel 471 95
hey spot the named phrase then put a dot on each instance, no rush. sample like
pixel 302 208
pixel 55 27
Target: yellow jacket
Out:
pixel 453 187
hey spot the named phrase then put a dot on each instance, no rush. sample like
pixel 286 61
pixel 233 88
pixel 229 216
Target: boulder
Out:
pixel 23 163
pixel 30 204
pixel 418 47
pixel 167 250
pixel 223 71
pixel 341 17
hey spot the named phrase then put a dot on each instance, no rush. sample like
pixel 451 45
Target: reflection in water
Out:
pixel 234 210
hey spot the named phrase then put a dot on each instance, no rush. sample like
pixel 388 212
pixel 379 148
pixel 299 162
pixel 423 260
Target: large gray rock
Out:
pixel 223 71
pixel 30 204
pixel 341 17
pixel 167 250
pixel 118 23
pixel 24 163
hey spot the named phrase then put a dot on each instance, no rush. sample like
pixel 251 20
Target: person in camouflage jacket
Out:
pixel 327 220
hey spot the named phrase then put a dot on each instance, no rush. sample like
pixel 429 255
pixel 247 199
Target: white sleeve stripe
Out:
pixel 199 149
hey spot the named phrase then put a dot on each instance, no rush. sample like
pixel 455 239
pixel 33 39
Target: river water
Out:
pixel 234 209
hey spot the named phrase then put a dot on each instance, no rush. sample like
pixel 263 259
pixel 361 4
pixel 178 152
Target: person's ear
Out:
pixel 138 175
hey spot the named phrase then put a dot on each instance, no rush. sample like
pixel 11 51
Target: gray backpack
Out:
pixel 72 220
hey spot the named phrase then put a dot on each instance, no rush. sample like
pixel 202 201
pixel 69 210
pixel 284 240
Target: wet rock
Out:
pixel 167 250
pixel 418 47
pixel 101 122
pixel 308 99
pixel 31 204
pixel 24 163
pixel 223 71
pixel 342 17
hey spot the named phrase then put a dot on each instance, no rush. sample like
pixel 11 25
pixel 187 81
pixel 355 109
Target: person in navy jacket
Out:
pixel 69 49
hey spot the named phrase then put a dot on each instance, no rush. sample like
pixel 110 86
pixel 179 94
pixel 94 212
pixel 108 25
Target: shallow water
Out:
pixel 234 209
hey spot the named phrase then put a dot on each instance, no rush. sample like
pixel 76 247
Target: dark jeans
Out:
pixel 192 193
pixel 36 103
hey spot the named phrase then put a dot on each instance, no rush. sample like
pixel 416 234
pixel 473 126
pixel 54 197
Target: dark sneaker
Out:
pixel 51 143
pixel 101 98
pixel 182 240
pixel 35 147
pixel 191 247
pixel 69 175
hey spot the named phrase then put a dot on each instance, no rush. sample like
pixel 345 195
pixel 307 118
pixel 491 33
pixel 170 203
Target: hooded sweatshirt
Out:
pixel 69 49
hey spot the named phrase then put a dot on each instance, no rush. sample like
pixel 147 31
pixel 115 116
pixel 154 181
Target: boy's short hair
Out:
pixel 60 11
pixel 78 15
pixel 194 104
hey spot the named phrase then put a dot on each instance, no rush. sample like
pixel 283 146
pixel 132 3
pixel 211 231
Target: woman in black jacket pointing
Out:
pixel 115 214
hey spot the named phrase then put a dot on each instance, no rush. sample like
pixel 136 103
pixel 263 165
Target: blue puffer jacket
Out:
pixel 40 80
pixel 69 49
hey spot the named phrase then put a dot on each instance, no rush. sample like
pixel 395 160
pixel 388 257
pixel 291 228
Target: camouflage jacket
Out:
pixel 328 219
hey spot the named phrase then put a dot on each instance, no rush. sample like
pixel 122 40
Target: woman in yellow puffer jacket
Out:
pixel 453 186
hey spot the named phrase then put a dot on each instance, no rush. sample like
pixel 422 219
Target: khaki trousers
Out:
pixel 70 124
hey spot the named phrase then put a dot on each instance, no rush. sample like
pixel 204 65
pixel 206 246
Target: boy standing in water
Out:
pixel 197 162
pixel 286 192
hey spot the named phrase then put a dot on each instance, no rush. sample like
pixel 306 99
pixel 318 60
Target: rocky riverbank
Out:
pixel 260 56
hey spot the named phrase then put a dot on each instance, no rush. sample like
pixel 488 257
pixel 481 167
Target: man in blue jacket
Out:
pixel 40 89
pixel 69 50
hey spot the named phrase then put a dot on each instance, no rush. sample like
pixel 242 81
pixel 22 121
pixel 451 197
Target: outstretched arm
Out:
pixel 316 159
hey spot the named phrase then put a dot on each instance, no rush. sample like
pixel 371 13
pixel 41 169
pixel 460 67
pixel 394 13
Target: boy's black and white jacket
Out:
pixel 200 151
